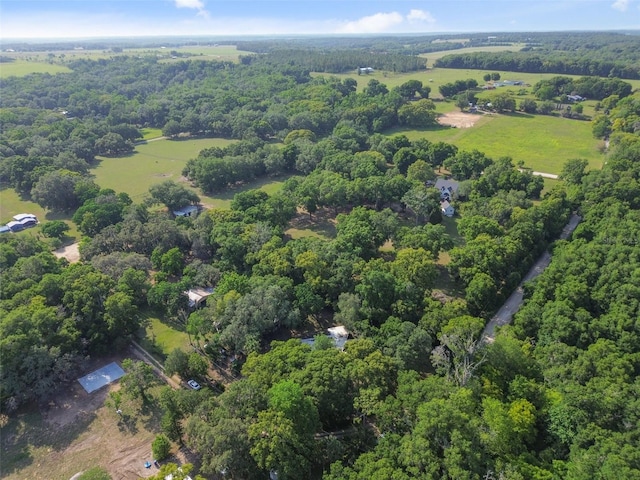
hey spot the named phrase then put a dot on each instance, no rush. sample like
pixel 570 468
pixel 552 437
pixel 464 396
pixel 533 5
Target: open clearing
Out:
pixel 433 56
pixel 149 164
pixel 459 119
pixel 75 432
pixel 61 57
pixel 543 143
pixel 20 68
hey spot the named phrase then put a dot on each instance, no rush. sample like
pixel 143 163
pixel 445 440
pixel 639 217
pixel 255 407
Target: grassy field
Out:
pixel 150 133
pixel 155 162
pixel 149 164
pixel 543 143
pixel 433 56
pixel 61 57
pixel 434 77
pixel 20 68
pixel 163 338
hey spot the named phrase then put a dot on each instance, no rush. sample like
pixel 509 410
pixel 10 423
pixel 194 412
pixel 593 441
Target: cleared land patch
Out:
pixel 543 143
pixel 75 431
pixel 149 164
pixel 459 119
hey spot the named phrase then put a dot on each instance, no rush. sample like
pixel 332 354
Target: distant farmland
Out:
pixel 20 68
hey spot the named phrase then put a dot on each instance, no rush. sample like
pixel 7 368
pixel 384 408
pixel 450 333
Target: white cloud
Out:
pixel 420 16
pixel 378 23
pixel 621 5
pixel 388 22
pixel 196 4
pixel 193 4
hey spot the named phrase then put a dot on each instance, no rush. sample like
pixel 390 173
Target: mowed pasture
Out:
pixel 150 163
pixel 156 161
pixel 543 143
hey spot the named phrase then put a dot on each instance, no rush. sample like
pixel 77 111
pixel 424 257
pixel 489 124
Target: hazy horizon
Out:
pixel 40 20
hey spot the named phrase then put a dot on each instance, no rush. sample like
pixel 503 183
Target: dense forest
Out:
pixel 414 393
pixel 580 53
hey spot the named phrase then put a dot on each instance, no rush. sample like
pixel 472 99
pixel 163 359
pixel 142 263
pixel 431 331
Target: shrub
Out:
pixel 161 447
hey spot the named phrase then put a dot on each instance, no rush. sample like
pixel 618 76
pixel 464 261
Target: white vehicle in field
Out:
pixel 193 384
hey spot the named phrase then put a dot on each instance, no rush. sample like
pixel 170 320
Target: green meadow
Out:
pixel 20 68
pixel 160 160
pixel 150 163
pixel 543 143
pixel 31 60
pixel 433 56
pixel 434 77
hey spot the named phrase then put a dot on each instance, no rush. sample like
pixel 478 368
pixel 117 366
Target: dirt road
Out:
pixel 511 306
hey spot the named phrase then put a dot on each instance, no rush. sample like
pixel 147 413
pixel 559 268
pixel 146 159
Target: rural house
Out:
pixel 447 188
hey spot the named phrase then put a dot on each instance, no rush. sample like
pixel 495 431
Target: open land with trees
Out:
pixel 322 210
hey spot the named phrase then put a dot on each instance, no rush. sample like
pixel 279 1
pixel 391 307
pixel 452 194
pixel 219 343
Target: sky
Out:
pixel 39 19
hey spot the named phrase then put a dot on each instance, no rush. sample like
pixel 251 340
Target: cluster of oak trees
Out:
pixel 415 395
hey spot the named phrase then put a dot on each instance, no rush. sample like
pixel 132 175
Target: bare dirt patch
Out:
pixel 70 252
pixel 75 431
pixel 459 119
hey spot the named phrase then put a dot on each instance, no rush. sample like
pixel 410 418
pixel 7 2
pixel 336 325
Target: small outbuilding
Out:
pixel 198 296
pixel 447 209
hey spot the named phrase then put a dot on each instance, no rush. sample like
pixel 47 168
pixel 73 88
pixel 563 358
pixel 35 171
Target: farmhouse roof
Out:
pixel 197 295
pixel 447 186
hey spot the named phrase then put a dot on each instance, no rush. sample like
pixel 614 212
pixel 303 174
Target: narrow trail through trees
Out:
pixel 513 303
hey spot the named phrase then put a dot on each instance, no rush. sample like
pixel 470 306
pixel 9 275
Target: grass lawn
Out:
pixel 149 133
pixel 11 204
pixel 164 337
pixel 20 68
